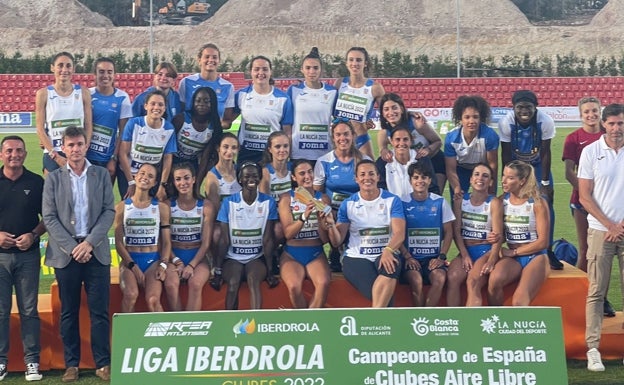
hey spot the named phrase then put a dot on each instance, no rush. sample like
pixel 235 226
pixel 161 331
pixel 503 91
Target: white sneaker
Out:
pixel 32 372
pixel 3 371
pixel 594 362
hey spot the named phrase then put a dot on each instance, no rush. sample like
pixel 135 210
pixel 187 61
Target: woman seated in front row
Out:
pixel 526 223
pixel 247 220
pixel 303 254
pixel 143 242
pixel 375 222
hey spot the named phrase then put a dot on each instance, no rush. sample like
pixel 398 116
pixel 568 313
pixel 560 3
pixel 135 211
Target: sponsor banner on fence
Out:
pixel 416 346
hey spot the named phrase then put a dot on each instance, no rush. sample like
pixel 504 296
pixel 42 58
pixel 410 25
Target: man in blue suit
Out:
pixel 78 210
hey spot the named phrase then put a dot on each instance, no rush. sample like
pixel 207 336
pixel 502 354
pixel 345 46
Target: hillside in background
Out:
pixel 271 27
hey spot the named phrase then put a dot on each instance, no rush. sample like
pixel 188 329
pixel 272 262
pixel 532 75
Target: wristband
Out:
pixel 131 183
pixel 191 265
pixel 163 265
pixel 175 260
pixel 545 183
pixel 394 252
pixel 302 218
pixel 442 256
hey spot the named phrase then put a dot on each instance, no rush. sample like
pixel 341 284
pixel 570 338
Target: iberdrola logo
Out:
pixel 247 327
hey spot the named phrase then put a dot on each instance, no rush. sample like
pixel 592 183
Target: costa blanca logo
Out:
pixel 439 327
pixel 178 329
pixel 495 325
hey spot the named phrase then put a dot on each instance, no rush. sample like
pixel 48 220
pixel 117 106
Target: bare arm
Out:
pixel 492 160
pixel 570 173
pixel 88 113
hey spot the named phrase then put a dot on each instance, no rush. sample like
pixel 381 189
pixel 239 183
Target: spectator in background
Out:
pixel 525 135
pixel 59 106
pixel 575 142
pixel 111 109
pixel 164 81
pixel 471 143
pixel 357 95
pixel 78 210
pixel 208 59
pixel 20 229
pixel 600 185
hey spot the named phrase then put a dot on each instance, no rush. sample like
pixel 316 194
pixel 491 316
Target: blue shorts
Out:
pixel 478 251
pixel 144 260
pixel 361 140
pixel 186 255
pixel 424 269
pixel 525 259
pixel 304 254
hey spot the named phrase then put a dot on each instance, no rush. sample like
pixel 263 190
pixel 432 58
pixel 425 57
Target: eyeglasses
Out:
pixel 340 120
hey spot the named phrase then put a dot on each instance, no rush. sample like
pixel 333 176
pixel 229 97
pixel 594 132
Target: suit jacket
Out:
pixel 59 216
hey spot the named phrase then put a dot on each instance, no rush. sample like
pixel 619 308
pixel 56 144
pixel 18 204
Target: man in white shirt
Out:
pixel 78 210
pixel 601 182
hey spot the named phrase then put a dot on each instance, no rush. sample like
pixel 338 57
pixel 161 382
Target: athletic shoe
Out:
pixel 3 371
pixel 594 362
pixel 32 372
pixel 609 311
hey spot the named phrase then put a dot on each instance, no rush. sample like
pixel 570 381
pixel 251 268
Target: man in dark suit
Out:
pixel 78 210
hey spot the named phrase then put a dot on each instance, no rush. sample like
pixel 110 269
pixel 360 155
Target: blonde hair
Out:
pixel 525 171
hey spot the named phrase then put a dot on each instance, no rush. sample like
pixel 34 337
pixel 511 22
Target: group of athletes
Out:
pixel 203 205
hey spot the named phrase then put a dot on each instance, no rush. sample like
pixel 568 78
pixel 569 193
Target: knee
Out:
pixel 152 301
pixel 130 295
pixel 520 299
pixel 172 285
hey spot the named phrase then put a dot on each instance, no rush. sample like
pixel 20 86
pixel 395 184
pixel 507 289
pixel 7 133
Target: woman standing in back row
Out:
pixel 357 95
pixel 59 106
pixel 313 103
pixel 208 59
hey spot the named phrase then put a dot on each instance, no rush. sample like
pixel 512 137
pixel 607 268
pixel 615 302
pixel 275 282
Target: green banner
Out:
pixel 416 346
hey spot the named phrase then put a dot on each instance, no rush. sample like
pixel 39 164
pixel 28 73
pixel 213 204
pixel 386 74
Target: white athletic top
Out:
pixel 312 117
pixel 476 221
pixel 190 141
pixel 310 228
pixel 148 144
pixel 62 112
pixel 247 224
pixel 355 103
pixel 141 226
pixel 397 179
pixel 225 188
pixel 279 185
pixel 260 116
pixel 519 221
pixel 603 165
pixel 370 223
pixel 186 225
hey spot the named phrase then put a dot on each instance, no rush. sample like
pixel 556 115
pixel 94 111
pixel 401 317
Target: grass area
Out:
pixel 577 372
